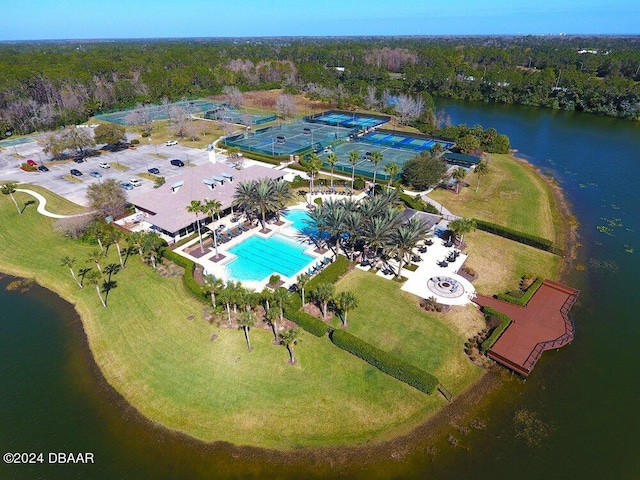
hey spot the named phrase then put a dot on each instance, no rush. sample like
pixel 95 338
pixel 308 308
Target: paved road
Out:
pixel 138 161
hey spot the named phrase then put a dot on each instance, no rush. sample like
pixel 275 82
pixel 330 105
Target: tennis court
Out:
pixel 348 119
pixel 159 112
pixel 395 147
pixel 289 138
pixel 229 114
pixel 16 141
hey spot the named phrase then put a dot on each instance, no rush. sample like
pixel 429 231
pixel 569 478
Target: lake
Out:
pixel 578 409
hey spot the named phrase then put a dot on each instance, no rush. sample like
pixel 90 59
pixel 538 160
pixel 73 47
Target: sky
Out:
pixel 89 19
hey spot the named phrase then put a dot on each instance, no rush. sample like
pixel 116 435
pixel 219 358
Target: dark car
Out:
pixel 42 168
pixel 78 160
pixel 154 170
pixel 31 163
pixel 177 162
pixel 75 172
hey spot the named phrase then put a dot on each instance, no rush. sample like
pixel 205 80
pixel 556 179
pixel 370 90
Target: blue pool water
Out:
pixel 300 219
pixel 259 258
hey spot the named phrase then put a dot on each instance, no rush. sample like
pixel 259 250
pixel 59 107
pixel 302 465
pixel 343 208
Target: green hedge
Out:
pixel 418 204
pixel 385 361
pixel 526 296
pixel 331 274
pixel 310 323
pixel 187 279
pixel 505 321
pixel 531 240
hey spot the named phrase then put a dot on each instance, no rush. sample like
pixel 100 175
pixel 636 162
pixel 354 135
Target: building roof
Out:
pixel 460 159
pixel 428 218
pixel 169 202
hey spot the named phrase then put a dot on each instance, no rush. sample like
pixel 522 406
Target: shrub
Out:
pixel 310 323
pixel 531 240
pixel 385 361
pixel 188 280
pixel 135 141
pixel 145 135
pixel 505 321
pixel 331 274
pixel 525 297
pixel 418 204
pixel 28 168
pixel 298 182
pixel 358 184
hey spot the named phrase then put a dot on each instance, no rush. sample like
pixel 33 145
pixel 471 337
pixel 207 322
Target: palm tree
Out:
pixel 94 277
pixel 9 189
pixel 324 293
pixel 225 297
pixel 214 285
pixel 354 159
pixel 352 224
pixel 314 164
pixel 462 226
pixel 301 282
pixel 403 239
pixel 376 158
pixel 247 320
pixel 69 262
pixel 481 169
pixel 335 215
pixel 281 298
pixel 392 169
pixel 243 197
pixel 318 219
pixel 115 237
pixel 458 175
pixel 346 301
pixel 95 256
pixel 289 338
pixel 151 246
pixel 196 207
pixel 211 208
pixel 264 198
pixel 271 317
pixel 283 194
pixel 332 160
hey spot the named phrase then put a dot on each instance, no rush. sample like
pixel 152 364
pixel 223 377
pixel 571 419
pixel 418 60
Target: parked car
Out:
pixel 103 165
pixel 42 168
pixel 154 170
pixel 135 182
pixel 126 186
pixel 170 143
pixel 78 159
pixel 177 162
pixel 75 172
pixel 95 174
pixel 31 163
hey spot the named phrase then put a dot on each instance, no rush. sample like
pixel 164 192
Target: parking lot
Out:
pixel 144 157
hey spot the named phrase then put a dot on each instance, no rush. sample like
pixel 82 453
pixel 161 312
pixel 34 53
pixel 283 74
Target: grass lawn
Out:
pixel 393 321
pixel 501 263
pixel 55 203
pixel 511 194
pixel 154 347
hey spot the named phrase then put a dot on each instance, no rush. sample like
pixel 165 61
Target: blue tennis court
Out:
pixel 16 141
pixel 348 119
pixel 404 141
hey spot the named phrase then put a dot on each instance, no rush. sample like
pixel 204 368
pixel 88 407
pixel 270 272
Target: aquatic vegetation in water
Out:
pixel 604 265
pixel 23 284
pixel 530 428
pixel 581 267
pixel 628 249
pixel 605 230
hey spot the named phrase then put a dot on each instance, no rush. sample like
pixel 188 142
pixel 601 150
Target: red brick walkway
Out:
pixel 541 325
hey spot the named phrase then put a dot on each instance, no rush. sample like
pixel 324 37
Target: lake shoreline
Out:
pixel 426 428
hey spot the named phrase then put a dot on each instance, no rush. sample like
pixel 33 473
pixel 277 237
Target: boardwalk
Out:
pixel 543 324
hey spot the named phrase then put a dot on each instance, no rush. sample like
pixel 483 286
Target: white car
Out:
pixel 103 165
pixel 171 143
pixel 135 182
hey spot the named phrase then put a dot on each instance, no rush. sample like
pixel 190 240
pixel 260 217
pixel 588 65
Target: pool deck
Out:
pixel 543 324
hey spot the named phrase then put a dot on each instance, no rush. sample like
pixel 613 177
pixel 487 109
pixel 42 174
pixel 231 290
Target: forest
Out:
pixel 46 84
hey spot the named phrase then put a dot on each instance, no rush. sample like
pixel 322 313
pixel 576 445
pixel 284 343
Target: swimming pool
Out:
pixel 300 219
pixel 259 258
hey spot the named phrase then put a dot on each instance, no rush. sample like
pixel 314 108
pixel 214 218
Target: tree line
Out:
pixel 43 85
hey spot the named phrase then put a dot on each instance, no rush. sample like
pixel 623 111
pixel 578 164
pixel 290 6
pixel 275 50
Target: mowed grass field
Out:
pixel 392 320
pixel 155 349
pixel 511 194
